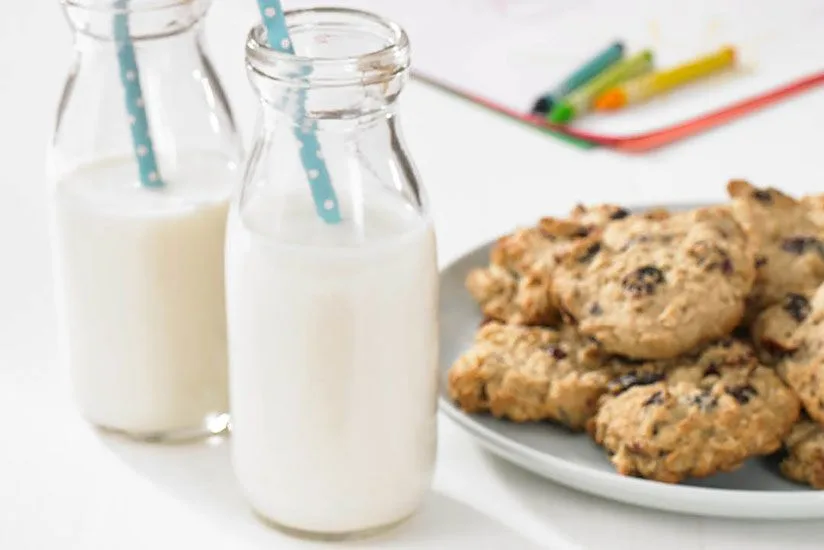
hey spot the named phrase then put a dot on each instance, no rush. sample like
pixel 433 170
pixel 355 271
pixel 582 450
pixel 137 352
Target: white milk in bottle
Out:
pixel 332 287
pixel 333 345
pixel 140 275
pixel 142 160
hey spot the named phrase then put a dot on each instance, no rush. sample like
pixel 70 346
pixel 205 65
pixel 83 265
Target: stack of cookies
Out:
pixel 684 343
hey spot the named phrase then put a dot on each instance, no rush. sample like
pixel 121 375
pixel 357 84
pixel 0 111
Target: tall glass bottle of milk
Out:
pixel 333 330
pixel 139 255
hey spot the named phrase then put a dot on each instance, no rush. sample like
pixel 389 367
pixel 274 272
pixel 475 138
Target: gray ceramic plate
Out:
pixel 754 491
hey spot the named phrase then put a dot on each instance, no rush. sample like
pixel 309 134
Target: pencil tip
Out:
pixel 542 106
pixel 561 113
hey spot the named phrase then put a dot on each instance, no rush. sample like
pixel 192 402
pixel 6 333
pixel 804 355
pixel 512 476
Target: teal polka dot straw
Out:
pixel 326 202
pixel 138 123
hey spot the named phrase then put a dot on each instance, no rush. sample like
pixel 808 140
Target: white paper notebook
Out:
pixel 508 52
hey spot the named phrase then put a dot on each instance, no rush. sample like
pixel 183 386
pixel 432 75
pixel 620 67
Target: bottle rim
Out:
pixel 365 68
pixel 129 6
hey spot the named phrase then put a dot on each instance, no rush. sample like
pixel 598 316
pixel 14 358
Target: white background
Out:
pixel 62 486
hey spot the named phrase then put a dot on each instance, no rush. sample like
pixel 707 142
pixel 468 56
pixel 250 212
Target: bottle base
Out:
pixel 337 536
pixel 214 424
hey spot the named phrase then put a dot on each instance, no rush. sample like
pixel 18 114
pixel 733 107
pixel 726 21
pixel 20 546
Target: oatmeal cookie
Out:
pixel 657 286
pixel 804 461
pixel 704 414
pixel 803 370
pixel 773 331
pixel 815 204
pixel 512 296
pixel 515 287
pixel 787 241
pixel 533 373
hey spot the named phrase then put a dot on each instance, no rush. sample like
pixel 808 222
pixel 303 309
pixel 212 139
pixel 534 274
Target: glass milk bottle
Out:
pixel 333 331
pixel 143 160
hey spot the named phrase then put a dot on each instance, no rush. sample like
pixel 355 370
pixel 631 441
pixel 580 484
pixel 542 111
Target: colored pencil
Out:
pixel 586 72
pixel 581 100
pixel 659 82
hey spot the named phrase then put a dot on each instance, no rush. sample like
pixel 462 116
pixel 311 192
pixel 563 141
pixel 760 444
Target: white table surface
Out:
pixel 63 486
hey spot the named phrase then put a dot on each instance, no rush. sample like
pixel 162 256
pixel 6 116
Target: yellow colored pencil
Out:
pixel 643 87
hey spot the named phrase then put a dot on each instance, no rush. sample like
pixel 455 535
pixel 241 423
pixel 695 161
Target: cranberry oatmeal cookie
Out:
pixel 773 331
pixel 787 241
pixel 515 287
pixel 815 204
pixel 804 460
pixel 533 373
pixel 655 286
pixel 803 369
pixel 701 415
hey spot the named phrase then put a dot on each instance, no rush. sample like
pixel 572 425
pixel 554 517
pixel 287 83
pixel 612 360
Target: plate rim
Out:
pixel 741 503
pixel 801 504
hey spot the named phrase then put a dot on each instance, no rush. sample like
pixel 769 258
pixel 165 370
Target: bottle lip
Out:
pixel 147 19
pixel 365 68
pixel 130 6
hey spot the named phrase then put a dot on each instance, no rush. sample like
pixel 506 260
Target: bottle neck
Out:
pixel 336 110
pixel 176 88
pixel 179 44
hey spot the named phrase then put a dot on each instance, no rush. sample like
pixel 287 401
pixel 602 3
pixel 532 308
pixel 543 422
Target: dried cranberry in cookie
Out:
pixel 741 393
pixel 619 214
pixel 796 306
pixel 588 253
pixel 643 281
pixel 803 244
pixel 598 215
pixel 762 195
pixel 624 382
pixel 664 283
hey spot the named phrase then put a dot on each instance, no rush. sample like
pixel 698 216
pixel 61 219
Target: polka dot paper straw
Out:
pixel 138 123
pixel 326 202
